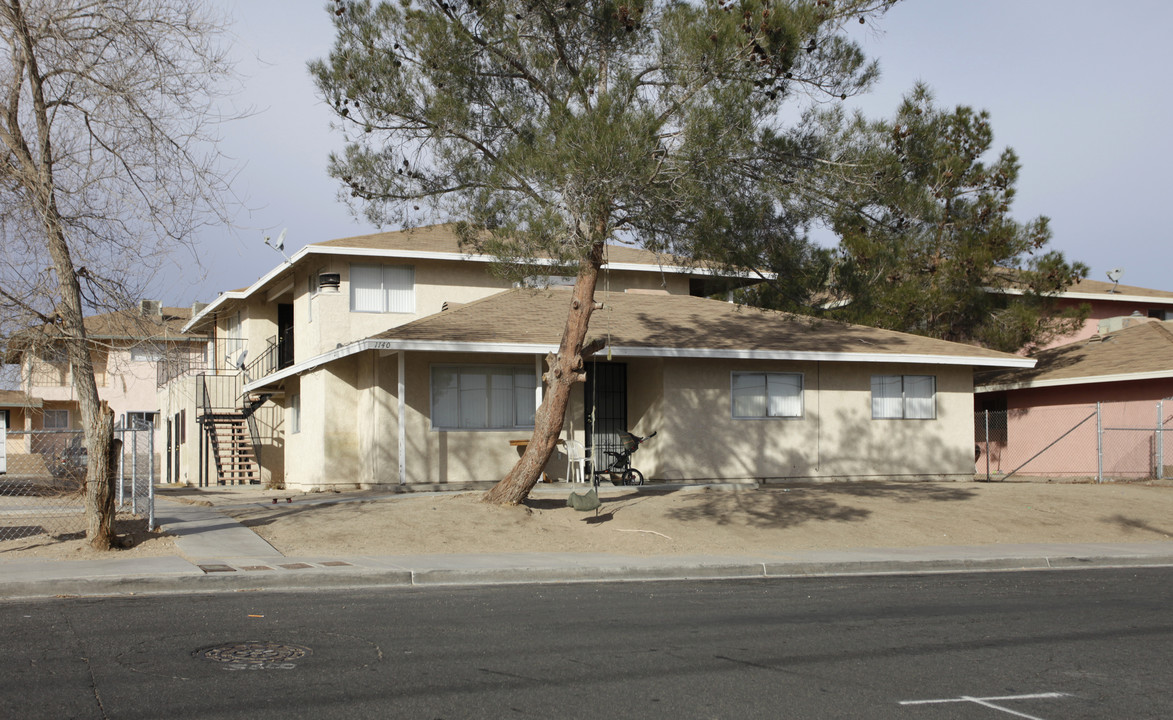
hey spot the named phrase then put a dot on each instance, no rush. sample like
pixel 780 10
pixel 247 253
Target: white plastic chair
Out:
pixel 575 457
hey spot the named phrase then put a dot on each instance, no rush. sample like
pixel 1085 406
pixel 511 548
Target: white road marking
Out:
pixel 989 702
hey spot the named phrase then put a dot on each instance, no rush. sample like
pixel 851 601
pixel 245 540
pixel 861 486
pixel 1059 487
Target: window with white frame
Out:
pixel 313 293
pixel 766 395
pixel 904 397
pixel 483 397
pixel 141 420
pixel 234 340
pixel 382 288
pixel 146 353
pixel 294 414
pixel 55 420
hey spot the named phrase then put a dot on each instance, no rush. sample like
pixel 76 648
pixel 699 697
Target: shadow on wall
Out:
pixel 824 444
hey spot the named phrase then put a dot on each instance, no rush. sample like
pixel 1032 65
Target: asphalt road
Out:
pixel 1049 645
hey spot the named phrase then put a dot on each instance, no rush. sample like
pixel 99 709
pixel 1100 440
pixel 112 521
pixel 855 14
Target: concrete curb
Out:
pixel 390 572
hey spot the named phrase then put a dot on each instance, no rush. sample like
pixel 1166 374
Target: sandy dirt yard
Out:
pixel 658 521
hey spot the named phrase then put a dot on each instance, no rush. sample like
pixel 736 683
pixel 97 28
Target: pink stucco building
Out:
pixel 1096 407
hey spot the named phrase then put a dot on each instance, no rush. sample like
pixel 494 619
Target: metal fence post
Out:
pixel 151 483
pixel 1160 439
pixel 1099 444
pixel 121 462
pixel 987 414
pixel 134 471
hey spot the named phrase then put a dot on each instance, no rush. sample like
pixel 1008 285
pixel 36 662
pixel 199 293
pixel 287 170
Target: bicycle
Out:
pixel 621 463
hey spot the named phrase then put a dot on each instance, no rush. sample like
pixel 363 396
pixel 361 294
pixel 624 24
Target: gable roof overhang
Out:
pixel 1121 297
pixel 660 326
pixel 1063 382
pixel 618 351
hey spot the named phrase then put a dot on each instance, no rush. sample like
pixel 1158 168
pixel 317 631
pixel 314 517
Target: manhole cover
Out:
pixel 255 655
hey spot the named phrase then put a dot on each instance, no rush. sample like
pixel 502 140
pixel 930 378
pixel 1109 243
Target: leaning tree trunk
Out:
pixel 565 369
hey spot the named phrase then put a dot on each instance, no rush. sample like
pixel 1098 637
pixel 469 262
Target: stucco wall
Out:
pixel 1101 310
pixel 350 426
pixel 179 395
pixel 1053 431
pixel 835 438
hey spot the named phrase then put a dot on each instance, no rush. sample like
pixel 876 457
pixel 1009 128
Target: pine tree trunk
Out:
pixel 565 369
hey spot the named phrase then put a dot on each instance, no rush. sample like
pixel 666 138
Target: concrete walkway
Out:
pixel 220 554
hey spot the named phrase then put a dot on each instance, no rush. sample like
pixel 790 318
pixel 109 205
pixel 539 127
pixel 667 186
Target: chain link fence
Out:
pixel 1101 441
pixel 43 480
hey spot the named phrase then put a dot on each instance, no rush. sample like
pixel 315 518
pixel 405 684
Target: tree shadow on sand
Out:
pixel 780 508
pixel 1140 525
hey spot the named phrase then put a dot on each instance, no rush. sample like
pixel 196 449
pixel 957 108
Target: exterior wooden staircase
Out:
pixel 232 448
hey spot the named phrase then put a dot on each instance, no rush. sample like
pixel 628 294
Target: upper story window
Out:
pixel 907 397
pixel 294 414
pixel 234 327
pixel 233 342
pixel 767 395
pixel 53 354
pixel 382 288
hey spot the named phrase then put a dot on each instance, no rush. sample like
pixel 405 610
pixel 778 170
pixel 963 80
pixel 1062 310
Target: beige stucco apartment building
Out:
pixel 398 358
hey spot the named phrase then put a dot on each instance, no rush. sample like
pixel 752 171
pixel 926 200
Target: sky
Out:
pixel 1078 88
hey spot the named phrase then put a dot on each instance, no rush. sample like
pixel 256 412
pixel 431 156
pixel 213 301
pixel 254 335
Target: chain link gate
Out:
pixel 43 479
pixel 1130 440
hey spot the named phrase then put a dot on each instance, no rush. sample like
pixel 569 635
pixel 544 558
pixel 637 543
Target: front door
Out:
pixel 605 397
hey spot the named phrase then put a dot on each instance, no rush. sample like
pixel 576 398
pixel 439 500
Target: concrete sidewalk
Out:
pixel 220 555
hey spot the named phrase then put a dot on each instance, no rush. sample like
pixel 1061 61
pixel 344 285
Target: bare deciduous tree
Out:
pixel 107 113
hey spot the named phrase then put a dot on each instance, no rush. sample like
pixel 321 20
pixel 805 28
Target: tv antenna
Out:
pixel 279 246
pixel 1114 275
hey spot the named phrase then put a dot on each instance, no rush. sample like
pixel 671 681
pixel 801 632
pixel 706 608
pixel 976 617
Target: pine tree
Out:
pixel 549 128
pixel 927 241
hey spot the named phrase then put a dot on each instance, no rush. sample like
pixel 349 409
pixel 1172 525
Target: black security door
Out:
pixel 606 408
pixel 284 335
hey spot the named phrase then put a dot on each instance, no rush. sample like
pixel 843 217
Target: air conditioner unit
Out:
pixel 150 307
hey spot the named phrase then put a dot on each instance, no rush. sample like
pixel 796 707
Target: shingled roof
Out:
pixel 126 325
pixel 661 326
pixel 442 239
pixel 135 325
pixel 1136 352
pixel 17 398
pixel 676 325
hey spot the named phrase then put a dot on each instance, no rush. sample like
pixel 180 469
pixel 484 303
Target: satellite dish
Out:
pixel 279 246
pixel 1114 275
pixel 238 362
